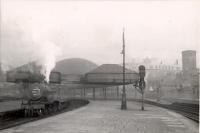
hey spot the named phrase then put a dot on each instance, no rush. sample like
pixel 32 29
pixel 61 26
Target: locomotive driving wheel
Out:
pixel 45 110
pixel 25 112
pixel 39 112
pixel 55 107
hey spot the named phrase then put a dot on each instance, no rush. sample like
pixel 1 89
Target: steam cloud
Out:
pixel 20 47
pixel 48 52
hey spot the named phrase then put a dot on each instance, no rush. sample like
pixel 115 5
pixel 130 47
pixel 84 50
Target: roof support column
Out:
pixel 105 93
pixel 94 93
pixel 84 92
pixel 117 92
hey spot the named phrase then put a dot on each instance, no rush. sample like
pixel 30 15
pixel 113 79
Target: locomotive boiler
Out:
pixel 38 96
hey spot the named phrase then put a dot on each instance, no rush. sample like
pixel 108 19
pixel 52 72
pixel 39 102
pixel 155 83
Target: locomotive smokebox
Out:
pixel 33 91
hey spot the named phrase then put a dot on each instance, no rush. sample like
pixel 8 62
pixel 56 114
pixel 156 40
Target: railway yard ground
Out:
pixel 107 117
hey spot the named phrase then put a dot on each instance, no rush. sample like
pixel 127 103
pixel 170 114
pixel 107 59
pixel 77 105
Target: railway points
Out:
pixel 106 117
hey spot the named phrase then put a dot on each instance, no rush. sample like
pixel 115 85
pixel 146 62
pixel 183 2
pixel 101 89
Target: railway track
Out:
pixel 16 117
pixel 188 110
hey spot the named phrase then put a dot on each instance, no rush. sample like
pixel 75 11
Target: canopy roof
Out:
pixel 110 68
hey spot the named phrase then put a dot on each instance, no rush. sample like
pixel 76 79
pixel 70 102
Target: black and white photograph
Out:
pixel 99 66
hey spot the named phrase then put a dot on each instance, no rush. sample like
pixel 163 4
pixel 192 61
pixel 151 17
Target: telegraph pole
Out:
pixel 123 105
pixel 142 83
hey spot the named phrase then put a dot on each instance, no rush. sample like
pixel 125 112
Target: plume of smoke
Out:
pixel 47 54
pixel 22 45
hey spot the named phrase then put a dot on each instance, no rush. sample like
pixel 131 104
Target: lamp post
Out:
pixel 142 83
pixel 123 104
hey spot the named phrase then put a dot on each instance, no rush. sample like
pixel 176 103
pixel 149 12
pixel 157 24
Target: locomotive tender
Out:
pixel 38 96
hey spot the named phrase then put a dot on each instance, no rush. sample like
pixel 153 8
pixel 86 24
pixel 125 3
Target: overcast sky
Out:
pixel 93 30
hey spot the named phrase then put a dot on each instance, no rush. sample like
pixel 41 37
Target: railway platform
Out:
pixel 107 117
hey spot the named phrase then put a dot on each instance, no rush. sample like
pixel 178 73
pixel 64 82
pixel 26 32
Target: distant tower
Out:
pixel 0 58
pixel 189 65
pixel 189 60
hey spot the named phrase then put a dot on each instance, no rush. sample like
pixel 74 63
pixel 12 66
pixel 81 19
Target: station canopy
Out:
pixel 110 74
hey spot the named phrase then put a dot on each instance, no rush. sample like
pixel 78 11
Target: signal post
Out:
pixel 142 83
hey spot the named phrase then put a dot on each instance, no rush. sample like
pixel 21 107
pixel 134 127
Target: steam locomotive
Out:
pixel 38 96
